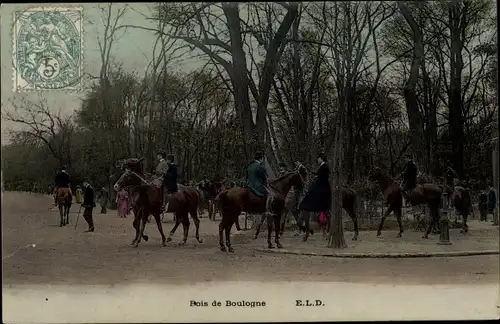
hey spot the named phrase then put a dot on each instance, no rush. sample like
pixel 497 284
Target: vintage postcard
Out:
pixel 249 162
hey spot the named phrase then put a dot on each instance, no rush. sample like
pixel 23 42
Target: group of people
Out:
pixel 316 199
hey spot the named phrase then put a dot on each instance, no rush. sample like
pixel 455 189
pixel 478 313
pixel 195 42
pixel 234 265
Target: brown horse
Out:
pixel 348 204
pixel 149 201
pixel 64 198
pixel 423 193
pixel 462 201
pixel 235 200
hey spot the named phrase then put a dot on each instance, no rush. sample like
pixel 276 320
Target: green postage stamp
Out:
pixel 48 49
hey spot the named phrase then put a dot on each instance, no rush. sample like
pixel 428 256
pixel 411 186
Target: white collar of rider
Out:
pixel 322 162
pixel 162 159
pixel 64 171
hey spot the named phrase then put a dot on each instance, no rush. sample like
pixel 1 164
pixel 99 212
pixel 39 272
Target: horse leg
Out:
pixel 221 239
pixel 465 216
pixel 136 226
pixel 172 231
pixel 185 227
pixel 269 231
pixel 284 216
pixel 196 220
pixel 306 217
pixel 142 226
pixel 259 224
pixel 237 223
pixel 228 237
pixel 354 218
pixel 434 219
pixel 399 217
pixel 160 228
pixel 61 215
pixel 381 225
pixel 278 230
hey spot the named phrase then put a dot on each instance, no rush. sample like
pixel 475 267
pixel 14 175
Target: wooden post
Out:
pixel 444 227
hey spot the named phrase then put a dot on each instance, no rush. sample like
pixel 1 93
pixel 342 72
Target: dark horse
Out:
pixel 149 201
pixel 235 200
pixel 462 202
pixel 348 204
pixel 423 193
pixel 64 200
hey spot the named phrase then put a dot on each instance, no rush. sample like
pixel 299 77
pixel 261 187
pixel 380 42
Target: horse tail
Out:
pixel 221 200
pixel 201 199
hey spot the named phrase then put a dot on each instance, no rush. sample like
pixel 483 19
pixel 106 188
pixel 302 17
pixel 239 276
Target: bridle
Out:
pixel 143 181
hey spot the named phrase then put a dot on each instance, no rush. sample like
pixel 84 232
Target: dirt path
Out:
pixel 63 255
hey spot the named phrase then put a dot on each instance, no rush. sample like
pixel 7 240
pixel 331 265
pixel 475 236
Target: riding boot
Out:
pixel 165 201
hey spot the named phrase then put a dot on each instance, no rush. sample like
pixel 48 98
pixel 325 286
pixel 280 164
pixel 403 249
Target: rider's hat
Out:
pixel 170 157
pixel 410 156
pixel 162 153
pixel 322 156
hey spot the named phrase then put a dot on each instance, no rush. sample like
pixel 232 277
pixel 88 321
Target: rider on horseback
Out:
pixel 62 180
pixel 409 176
pixel 169 181
pixel 451 177
pixel 256 180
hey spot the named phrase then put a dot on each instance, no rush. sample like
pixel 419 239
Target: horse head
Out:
pixel 291 179
pixel 376 174
pixel 132 173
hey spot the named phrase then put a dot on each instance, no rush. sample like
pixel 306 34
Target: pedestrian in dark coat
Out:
pixel 88 204
pixel 319 196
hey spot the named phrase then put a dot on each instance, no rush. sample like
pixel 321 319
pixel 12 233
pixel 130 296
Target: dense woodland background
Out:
pixel 405 77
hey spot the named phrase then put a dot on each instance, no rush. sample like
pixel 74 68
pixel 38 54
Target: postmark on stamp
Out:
pixel 47 49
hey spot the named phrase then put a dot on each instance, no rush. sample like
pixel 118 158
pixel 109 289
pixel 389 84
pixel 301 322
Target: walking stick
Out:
pixel 78 216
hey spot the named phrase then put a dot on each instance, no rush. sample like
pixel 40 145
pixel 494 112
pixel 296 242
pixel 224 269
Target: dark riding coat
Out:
pixel 257 179
pixel 62 179
pixel 410 174
pixel 319 196
pixel 89 197
pixel 170 179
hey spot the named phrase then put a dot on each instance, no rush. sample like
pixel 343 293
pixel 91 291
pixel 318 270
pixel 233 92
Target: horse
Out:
pixel 349 198
pixel 462 201
pixel 429 193
pixel 149 201
pixel 64 199
pixel 235 200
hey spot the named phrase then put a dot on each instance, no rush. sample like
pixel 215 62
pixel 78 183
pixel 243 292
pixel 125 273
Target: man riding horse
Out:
pixel 256 180
pixel 409 176
pixel 168 170
pixel 451 177
pixel 62 180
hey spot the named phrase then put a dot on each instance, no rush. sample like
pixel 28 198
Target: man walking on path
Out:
pixel 88 204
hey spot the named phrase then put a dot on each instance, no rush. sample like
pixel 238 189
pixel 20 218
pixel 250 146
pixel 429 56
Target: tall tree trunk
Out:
pixel 414 115
pixel 456 118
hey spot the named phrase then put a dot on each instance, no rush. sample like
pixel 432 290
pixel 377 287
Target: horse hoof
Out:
pixel 399 235
pixel 254 237
pixel 425 236
pixel 231 250
pixel 223 249
pixel 278 244
pixel 355 238
pixel 182 242
pixel 61 225
pixel 146 238
pixel 163 243
pixel 304 239
pixel 135 245
pixel 379 233
pixel 200 240
pixel 270 246
pixel 169 239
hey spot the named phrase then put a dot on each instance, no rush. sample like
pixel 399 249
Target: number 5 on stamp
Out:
pixel 48 49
